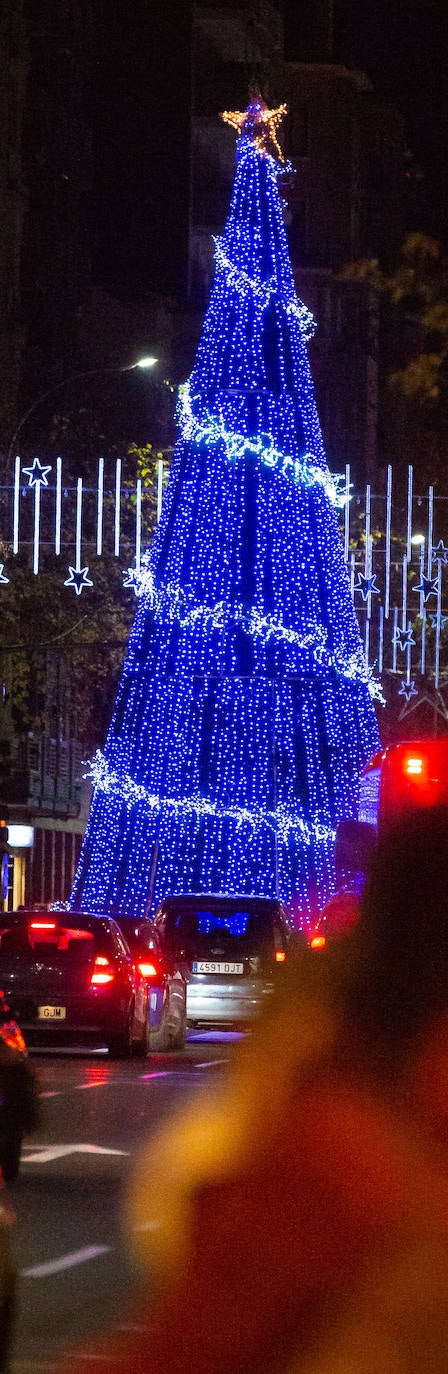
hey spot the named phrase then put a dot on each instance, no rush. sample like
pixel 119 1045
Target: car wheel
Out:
pixel 170 1035
pixel 143 1046
pixel 10 1159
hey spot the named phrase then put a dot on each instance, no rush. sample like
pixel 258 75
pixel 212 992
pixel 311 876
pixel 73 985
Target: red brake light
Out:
pixel 148 970
pixel 280 956
pixel 99 976
pixel 318 942
pixel 43 925
pixel 413 766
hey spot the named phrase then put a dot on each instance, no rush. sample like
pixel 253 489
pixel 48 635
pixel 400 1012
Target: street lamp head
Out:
pixel 418 539
pixel 146 362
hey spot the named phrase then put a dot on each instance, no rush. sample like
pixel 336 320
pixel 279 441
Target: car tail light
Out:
pixel 280 956
pixel 43 925
pixel 414 766
pixel 148 970
pixel 318 942
pixel 100 976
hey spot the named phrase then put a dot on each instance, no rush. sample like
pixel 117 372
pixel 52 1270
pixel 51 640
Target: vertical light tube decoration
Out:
pixel 138 523
pixel 58 507
pixel 15 522
pixel 388 535
pixel 99 511
pixel 36 536
pixel 380 639
pixel 409 514
pixel 422 611
pixel 430 527
pixel 117 508
pixel 394 639
pixel 159 487
pixel 347 513
pixel 78 524
pixel 438 623
pixel 244 713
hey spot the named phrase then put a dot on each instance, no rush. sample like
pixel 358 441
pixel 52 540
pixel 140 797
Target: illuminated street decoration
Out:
pixel 3 577
pixel 244 712
pixel 78 578
pixel 259 124
pixel 37 474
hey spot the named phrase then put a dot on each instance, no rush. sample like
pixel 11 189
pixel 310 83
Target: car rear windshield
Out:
pixel 41 936
pixel 238 928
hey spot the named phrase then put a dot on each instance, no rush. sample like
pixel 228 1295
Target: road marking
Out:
pixel 44 1154
pixel 161 1073
pixel 207 1064
pixel 41 1271
pixel 79 1087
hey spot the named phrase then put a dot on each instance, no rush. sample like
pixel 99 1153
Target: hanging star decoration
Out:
pixel 408 689
pixel 440 552
pixel 403 638
pixel 37 474
pixel 428 586
pixel 78 579
pixel 3 577
pixel 132 578
pixel 436 620
pixel 258 123
pixel 366 585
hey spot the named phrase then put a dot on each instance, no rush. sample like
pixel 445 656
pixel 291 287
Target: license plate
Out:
pixel 51 1013
pixel 208 966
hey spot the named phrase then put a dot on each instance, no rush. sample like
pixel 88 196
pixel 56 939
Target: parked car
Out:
pixel 167 987
pixel 70 977
pixel 18 1097
pixel 228 949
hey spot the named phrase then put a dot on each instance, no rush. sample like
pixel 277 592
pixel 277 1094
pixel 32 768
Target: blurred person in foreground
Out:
pixel 299 1222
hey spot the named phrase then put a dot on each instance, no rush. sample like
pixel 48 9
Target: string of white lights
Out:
pixel 106 779
pixel 213 430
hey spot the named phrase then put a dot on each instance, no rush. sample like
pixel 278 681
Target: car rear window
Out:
pixel 198 929
pixel 43 937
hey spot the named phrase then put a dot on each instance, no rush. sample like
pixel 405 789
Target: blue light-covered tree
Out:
pixel 244 713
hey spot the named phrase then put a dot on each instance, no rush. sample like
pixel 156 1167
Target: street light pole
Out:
pixel 145 362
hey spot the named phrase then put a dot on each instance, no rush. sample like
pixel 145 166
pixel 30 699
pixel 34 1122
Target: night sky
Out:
pixel 141 113
pixel 402 45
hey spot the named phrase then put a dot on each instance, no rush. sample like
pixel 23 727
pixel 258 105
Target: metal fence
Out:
pixel 395 545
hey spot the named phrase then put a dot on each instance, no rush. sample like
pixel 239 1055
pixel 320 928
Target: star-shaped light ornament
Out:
pixel 435 620
pixel 428 586
pixel 260 124
pixel 440 552
pixel 366 585
pixel 77 578
pixel 132 578
pixel 403 638
pixel 37 474
pixel 3 577
pixel 408 690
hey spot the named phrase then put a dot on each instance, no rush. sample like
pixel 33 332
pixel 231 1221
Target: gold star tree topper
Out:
pixel 258 123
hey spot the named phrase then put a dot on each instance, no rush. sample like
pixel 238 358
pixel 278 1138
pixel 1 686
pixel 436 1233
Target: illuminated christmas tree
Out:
pixel 244 713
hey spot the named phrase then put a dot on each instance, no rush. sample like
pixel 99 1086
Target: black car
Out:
pixel 18 1098
pixel 70 977
pixel 167 987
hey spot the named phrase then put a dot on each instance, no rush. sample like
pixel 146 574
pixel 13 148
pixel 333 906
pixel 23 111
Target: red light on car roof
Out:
pixel 280 956
pixel 318 942
pixel 43 925
pixel 101 961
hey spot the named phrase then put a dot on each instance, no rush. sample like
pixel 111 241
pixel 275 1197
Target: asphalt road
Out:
pixel 76 1273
